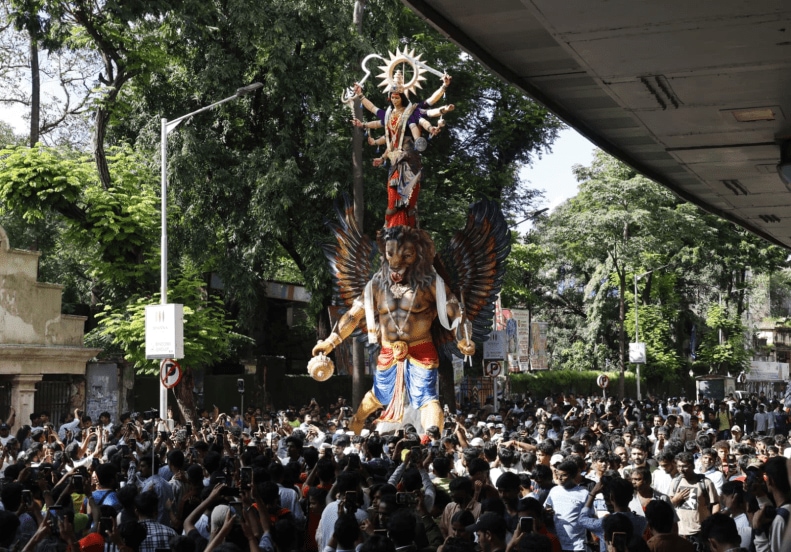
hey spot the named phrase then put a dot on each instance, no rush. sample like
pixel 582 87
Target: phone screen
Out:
pixel 246 474
pixel 526 524
pixel 54 515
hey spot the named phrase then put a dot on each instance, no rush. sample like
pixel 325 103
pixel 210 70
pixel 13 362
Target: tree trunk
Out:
pixel 185 398
pixel 35 92
pixel 99 155
pixel 358 348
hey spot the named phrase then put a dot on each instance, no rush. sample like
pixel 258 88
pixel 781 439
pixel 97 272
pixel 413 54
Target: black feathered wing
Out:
pixel 473 266
pixel 351 260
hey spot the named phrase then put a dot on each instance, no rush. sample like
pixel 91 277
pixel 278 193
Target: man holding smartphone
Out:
pixel 490 530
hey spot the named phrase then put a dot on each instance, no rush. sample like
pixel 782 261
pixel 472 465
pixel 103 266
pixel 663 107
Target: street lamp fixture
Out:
pixel 167 128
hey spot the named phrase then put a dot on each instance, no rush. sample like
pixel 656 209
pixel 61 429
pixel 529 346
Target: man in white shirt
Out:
pixel 347 482
pixel 762 419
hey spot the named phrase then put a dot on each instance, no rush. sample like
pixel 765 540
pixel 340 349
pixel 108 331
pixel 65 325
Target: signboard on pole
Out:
pixel 492 368
pixel 637 353
pixel 164 331
pixel 494 348
pixel 170 373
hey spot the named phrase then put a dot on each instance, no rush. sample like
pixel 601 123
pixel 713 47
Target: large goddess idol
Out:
pixel 417 306
pixel 404 123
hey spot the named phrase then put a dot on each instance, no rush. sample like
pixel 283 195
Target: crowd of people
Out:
pixel 564 473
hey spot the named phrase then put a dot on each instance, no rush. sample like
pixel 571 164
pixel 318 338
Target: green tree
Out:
pixel 259 178
pixel 116 228
pixel 619 223
pixel 723 348
pixel 208 333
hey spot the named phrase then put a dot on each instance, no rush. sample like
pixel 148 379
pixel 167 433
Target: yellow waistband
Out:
pixel 389 345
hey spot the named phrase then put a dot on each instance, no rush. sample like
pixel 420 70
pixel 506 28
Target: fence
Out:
pixel 53 397
pixel 475 391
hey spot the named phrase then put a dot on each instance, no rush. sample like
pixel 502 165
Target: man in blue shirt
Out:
pixel 566 501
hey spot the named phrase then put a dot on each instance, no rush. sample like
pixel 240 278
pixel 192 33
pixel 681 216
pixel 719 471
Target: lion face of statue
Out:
pixel 408 256
pixel 400 257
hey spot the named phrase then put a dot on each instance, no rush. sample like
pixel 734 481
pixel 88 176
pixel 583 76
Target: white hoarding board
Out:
pixel 164 331
pixel 494 348
pixel 767 371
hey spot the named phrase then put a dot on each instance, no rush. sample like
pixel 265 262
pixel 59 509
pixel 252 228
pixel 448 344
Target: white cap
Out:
pixel 477 442
pixel 365 433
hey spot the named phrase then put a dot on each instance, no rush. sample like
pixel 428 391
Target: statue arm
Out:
pixel 426 125
pixel 463 326
pixel 440 91
pixel 439 111
pixel 365 102
pixel 346 326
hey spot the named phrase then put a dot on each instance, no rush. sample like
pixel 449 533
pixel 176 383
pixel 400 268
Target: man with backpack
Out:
pixel 694 497
pixel 769 523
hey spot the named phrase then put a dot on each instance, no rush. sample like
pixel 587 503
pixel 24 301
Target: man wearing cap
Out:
pixel 490 530
pixel 736 439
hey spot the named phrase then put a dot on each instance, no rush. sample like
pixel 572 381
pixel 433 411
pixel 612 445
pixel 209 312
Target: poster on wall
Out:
pixel 527 341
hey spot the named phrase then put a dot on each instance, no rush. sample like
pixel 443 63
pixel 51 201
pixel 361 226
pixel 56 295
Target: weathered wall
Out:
pixel 103 390
pixel 30 310
pixel 35 338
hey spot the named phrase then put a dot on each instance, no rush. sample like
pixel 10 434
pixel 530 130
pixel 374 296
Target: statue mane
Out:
pixel 421 273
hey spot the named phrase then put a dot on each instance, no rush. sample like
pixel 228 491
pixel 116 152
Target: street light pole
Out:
pixel 637 330
pixel 637 319
pixel 167 128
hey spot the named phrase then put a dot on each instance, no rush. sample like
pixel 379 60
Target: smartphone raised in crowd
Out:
pixel 526 524
pixel 245 477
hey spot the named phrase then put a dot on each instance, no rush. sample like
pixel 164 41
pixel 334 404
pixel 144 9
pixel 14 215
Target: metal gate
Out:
pixel 53 397
pixel 475 391
pixel 5 399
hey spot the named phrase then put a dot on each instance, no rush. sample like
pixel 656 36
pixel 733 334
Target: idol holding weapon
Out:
pixel 403 123
pixel 418 306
